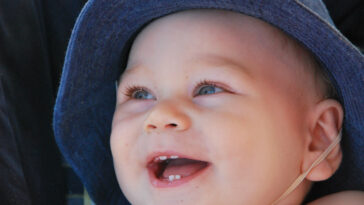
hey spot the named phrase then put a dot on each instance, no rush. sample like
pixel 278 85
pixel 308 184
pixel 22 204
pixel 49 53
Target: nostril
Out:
pixel 171 125
pixel 151 126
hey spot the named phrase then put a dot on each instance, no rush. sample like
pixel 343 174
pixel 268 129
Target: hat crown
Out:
pixel 317 7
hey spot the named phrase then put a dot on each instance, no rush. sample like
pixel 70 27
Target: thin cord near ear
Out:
pixel 301 177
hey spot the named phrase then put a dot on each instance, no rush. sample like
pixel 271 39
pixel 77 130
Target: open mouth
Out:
pixel 167 171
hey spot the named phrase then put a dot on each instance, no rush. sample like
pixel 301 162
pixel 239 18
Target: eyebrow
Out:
pixel 132 71
pixel 222 61
pixel 210 60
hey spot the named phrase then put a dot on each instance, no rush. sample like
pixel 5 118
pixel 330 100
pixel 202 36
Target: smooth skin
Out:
pixel 260 119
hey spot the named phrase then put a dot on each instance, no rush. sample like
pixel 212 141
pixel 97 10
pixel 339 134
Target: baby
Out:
pixel 218 107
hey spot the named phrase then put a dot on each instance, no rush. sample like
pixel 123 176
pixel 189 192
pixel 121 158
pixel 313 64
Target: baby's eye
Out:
pixel 204 87
pixel 207 88
pixel 142 94
pixel 138 93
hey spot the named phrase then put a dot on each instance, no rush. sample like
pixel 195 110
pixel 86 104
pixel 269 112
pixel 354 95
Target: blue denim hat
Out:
pixel 97 53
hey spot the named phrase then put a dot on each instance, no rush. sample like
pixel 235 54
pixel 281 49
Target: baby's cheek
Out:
pixel 245 153
pixel 119 148
pixel 127 146
pixel 126 173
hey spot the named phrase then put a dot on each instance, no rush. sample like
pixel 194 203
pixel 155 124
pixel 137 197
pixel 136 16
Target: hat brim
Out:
pixel 98 50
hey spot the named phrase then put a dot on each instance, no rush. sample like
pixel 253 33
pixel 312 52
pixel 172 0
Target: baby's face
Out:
pixel 224 98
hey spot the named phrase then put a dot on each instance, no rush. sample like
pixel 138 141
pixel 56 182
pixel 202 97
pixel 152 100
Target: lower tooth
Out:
pixel 171 178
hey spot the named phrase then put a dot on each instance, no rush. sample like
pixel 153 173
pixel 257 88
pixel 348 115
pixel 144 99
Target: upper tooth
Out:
pixel 171 177
pixel 163 157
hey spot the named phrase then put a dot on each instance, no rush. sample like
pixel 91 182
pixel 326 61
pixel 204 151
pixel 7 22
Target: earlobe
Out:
pixel 325 125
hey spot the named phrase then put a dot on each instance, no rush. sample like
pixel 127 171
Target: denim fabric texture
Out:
pixel 97 53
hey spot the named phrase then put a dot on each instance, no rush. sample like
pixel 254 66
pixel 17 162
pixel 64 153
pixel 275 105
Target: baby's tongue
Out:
pixel 183 167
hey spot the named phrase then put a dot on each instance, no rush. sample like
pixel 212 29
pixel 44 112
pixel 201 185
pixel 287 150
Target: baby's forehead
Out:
pixel 222 25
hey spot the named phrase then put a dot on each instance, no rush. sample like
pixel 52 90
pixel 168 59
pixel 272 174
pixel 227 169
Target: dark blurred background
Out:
pixel 33 41
pixel 348 15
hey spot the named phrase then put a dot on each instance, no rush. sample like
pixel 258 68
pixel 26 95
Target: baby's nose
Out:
pixel 167 115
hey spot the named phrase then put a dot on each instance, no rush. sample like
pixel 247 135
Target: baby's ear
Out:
pixel 324 126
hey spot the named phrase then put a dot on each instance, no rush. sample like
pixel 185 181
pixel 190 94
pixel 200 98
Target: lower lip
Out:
pixel 165 183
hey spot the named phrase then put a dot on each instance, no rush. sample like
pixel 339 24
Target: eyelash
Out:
pixel 131 89
pixel 206 82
